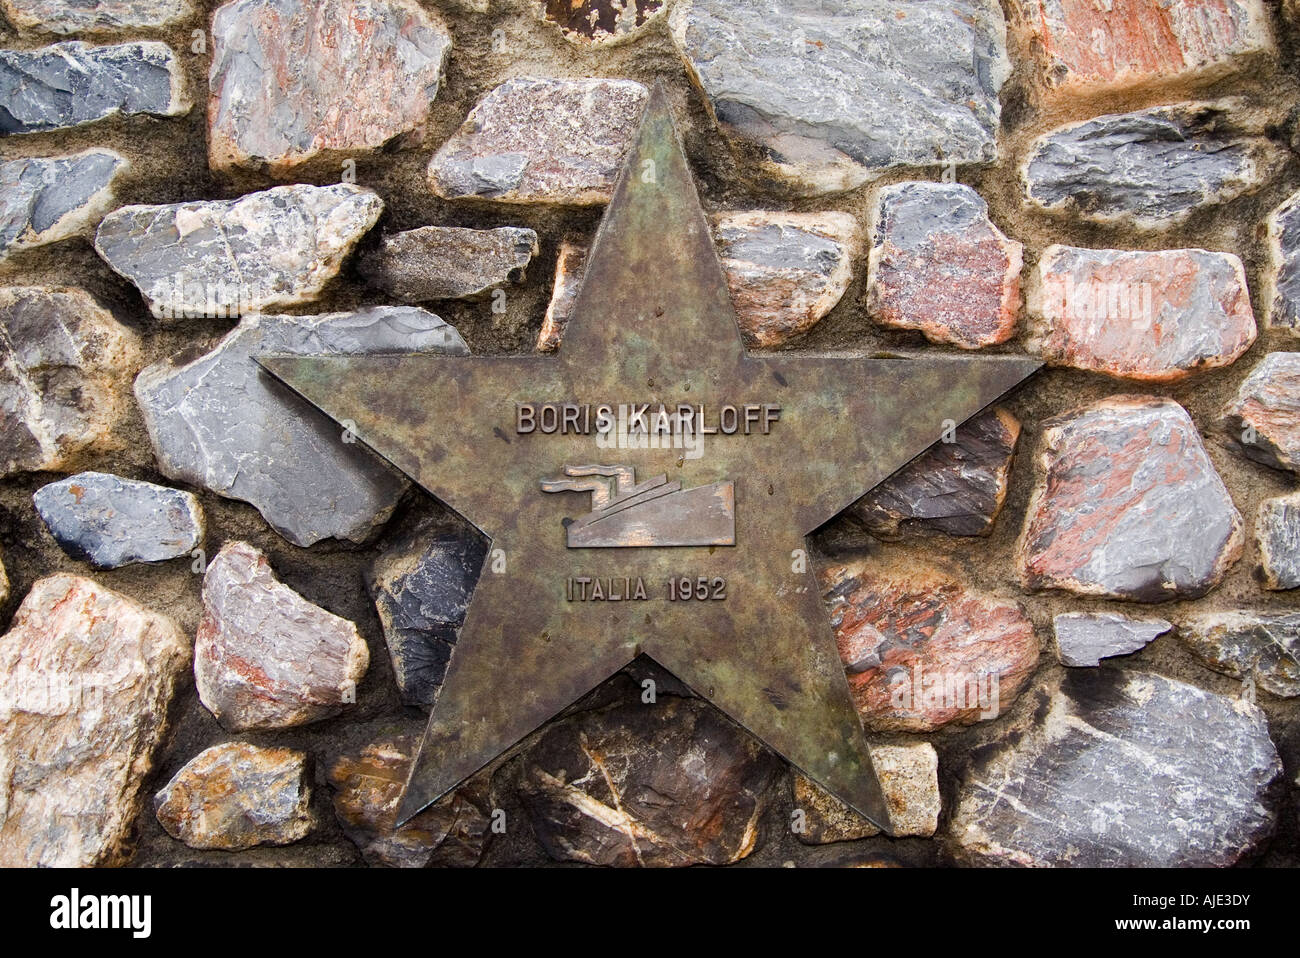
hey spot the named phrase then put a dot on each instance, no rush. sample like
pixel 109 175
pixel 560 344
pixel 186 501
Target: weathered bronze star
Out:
pixel 760 451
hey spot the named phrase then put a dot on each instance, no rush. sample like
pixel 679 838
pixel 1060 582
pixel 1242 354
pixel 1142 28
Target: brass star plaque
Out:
pixel 649 491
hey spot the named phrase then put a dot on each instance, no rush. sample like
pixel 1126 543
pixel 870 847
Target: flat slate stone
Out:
pixel 448 262
pixel 227 258
pixel 1281 292
pixel 292 79
pixel 68 84
pixel 1277 527
pixel 1261 646
pixel 1150 169
pixel 451 833
pixel 1087 49
pixel 536 140
pixel 1128 505
pixel 1264 418
pixel 65 374
pixel 785 271
pixel 89 678
pixel 1124 769
pixel 283 445
pixel 1156 316
pixel 50 198
pixel 265 657
pixel 836 94
pixel 939 265
pixel 954 487
pixel 94 16
pixel 1085 638
pixel 111 522
pixel 235 796
pixel 921 651
pixel 668 785
pixel 421 586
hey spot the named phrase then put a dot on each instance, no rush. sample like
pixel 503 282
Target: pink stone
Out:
pixel 1086 48
pixel 1128 505
pixel 265 657
pixel 939 265
pixel 88 678
pixel 292 79
pixel 1148 316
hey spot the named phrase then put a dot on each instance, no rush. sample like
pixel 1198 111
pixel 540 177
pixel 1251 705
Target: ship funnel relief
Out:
pixel 656 512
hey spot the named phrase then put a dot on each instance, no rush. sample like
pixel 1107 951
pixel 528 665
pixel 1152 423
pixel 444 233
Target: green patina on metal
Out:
pixel 653 324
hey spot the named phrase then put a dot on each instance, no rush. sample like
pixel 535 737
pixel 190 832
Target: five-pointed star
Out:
pixel 653 323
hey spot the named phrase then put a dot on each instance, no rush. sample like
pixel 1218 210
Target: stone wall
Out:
pixel 252 654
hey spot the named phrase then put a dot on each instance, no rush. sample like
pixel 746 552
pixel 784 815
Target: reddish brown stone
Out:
pixel 1264 419
pixel 669 784
pixel 1128 506
pixel 1149 316
pixel 599 21
pixel 939 265
pixel 368 789
pixel 1085 48
pixel 921 652
pixel 953 487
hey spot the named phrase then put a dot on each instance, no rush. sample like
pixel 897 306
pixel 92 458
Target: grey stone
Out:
pixel 1085 638
pixel 222 423
pixel 448 262
pixel 265 657
pixel 1281 292
pixel 112 522
pixel 65 371
pixel 1128 505
pixel 226 258
pixel 1149 169
pixel 47 199
pixel 68 84
pixel 836 93
pixel 1277 527
pixel 94 16
pixel 1124 769
pixel 536 140
pixel 293 79
pixel 421 585
pixel 1259 646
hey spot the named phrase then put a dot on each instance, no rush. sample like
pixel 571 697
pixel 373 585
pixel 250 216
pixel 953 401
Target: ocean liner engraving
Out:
pixel 656 512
